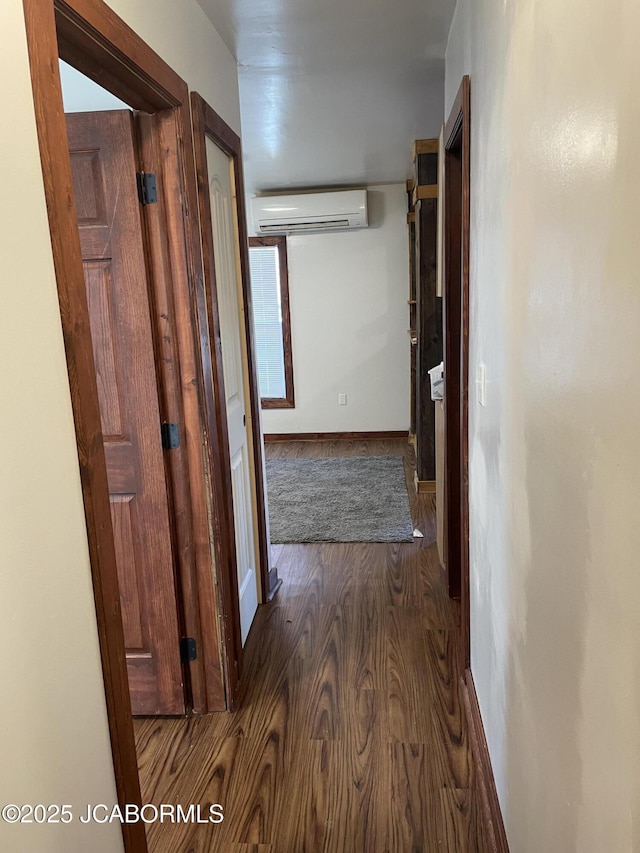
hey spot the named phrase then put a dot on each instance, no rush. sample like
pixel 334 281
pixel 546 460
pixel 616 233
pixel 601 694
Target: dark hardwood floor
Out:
pixel 351 736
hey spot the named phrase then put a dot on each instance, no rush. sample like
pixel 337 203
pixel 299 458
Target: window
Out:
pixel 270 301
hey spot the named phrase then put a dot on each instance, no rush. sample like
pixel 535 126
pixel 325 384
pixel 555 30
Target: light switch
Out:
pixel 342 399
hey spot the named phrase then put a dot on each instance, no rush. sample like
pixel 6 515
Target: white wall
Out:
pixel 186 39
pixel 53 729
pixel 554 459
pixel 349 316
pixel 81 94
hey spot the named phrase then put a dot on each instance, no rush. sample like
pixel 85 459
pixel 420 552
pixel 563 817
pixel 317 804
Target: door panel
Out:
pixel 242 521
pixel 103 165
pixel 228 297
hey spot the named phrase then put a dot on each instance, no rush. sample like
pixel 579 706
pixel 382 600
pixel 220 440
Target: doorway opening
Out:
pixel 122 196
pixel 221 194
pixel 109 187
pixel 456 354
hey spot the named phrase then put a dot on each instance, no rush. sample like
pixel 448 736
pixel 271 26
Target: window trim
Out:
pixel 288 401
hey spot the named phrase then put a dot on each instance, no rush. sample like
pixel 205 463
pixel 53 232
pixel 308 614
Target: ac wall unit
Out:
pixel 316 211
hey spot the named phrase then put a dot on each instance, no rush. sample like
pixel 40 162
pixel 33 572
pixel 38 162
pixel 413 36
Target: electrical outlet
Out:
pixel 342 399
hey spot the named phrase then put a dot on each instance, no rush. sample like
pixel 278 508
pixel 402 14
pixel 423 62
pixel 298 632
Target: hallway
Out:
pixel 350 737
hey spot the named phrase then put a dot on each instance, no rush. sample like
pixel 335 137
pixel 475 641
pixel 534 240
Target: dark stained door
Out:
pixel 103 165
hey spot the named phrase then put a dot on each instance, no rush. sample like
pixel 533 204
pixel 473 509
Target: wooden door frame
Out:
pixel 457 168
pixel 92 38
pixel 207 123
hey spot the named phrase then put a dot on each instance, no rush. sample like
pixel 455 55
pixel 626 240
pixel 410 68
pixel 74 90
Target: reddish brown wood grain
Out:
pixel 489 814
pixel 195 360
pixel 94 40
pixel 65 242
pixel 350 735
pixel 335 436
pixel 103 166
pixel 222 506
pixel 176 361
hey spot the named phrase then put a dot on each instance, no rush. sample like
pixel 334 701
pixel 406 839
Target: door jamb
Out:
pixel 207 123
pixel 90 36
pixel 457 218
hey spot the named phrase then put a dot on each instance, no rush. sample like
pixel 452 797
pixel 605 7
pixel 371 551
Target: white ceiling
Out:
pixel 332 92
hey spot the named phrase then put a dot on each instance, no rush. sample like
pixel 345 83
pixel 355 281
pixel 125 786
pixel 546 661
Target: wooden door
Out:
pixel 103 164
pixel 457 228
pixel 228 286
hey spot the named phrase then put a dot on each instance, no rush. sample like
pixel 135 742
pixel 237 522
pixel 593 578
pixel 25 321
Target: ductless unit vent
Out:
pixel 321 211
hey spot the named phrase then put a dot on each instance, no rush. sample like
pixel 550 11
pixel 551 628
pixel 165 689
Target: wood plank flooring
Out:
pixel 351 736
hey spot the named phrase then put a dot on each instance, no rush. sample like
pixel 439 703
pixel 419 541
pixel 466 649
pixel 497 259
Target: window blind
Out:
pixel 264 268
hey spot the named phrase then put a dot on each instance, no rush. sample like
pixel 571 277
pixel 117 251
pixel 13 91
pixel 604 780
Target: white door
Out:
pixel 232 337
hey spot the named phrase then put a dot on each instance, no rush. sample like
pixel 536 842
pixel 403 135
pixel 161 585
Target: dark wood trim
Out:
pixel 222 135
pixel 229 141
pixel 457 138
pixel 413 315
pixel 491 813
pixel 88 35
pixel 107 50
pixel 196 362
pixel 220 462
pixel 451 313
pixel 456 115
pixel 97 42
pixel 207 123
pixel 40 19
pixel 113 55
pixel 288 401
pixel 276 402
pixel 169 289
pixel 194 357
pixel 170 404
pixel 336 436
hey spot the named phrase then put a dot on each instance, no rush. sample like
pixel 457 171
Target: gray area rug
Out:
pixel 338 499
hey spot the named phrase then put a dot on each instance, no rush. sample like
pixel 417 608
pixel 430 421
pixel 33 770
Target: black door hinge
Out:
pixel 170 436
pixel 147 189
pixel 188 649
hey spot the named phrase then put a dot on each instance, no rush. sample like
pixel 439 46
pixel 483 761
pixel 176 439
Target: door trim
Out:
pixel 97 42
pixel 457 219
pixel 219 440
pixel 207 123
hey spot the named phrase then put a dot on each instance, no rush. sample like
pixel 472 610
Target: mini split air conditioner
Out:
pixel 321 211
